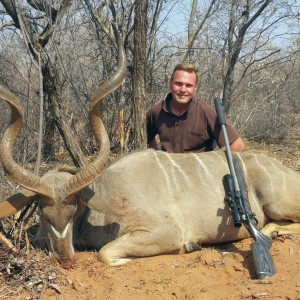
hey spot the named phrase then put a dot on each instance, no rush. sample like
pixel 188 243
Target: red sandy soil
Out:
pixel 222 272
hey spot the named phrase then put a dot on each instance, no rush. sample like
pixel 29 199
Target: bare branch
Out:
pixel 7 243
pixel 191 42
pixel 9 24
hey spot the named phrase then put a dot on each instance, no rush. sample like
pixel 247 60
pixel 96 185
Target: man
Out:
pixel 185 124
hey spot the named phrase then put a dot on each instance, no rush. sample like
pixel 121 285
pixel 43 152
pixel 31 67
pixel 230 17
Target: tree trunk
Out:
pixel 55 116
pixel 139 69
pixel 235 42
pixel 37 44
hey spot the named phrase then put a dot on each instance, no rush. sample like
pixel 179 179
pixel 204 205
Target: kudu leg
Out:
pixel 276 228
pixel 139 244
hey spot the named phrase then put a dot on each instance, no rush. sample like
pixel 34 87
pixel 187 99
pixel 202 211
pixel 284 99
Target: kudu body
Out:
pixel 149 202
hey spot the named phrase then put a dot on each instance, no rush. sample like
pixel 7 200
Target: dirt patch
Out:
pixel 222 272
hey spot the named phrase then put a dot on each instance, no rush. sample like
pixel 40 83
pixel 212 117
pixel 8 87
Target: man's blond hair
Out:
pixel 190 68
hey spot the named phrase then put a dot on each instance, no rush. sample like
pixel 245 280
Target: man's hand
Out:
pixel 238 145
pixel 153 145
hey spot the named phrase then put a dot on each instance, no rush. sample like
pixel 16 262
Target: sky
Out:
pixel 287 29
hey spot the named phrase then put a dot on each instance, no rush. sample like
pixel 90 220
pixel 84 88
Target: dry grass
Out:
pixel 288 154
pixel 29 272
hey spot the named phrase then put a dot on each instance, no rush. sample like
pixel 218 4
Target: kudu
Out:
pixel 149 202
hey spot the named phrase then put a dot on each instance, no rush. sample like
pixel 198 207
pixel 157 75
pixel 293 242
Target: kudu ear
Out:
pixel 85 195
pixel 16 202
pixel 91 199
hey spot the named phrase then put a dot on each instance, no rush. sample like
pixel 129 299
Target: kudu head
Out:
pixel 57 192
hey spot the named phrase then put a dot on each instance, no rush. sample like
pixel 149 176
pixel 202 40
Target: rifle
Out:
pixel 241 212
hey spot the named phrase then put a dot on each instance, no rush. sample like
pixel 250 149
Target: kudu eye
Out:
pixel 45 218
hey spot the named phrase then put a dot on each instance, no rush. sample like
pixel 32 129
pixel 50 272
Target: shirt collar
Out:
pixel 167 104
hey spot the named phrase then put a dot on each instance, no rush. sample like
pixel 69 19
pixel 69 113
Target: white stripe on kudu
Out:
pixel 60 235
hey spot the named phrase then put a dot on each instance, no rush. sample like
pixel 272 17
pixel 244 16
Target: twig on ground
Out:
pixel 6 242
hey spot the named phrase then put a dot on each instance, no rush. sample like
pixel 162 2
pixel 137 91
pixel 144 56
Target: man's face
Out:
pixel 183 86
